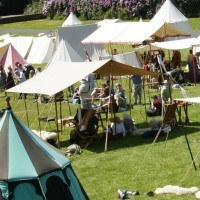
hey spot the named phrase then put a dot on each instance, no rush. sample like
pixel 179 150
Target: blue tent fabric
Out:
pixel 25 159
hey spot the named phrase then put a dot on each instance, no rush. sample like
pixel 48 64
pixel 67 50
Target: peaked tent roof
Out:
pixel 20 145
pixel 71 20
pixel 30 166
pixel 65 53
pixel 171 15
pixel 21 43
pixel 73 35
pixel 41 50
pixel 78 70
pixel 10 57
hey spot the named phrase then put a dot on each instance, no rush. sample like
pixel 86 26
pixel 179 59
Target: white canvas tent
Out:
pixel 73 35
pixel 71 20
pixel 21 43
pixel 41 51
pixel 59 77
pixel 169 14
pixel 3 37
pixel 129 58
pixel 65 53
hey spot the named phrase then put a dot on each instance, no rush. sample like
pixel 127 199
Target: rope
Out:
pixel 142 164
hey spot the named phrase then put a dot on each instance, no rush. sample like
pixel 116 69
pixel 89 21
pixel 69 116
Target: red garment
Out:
pixel 157 103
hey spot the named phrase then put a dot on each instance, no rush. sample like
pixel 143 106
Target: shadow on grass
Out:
pixel 136 140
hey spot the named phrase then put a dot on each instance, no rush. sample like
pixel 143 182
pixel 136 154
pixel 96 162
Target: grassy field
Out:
pixel 134 163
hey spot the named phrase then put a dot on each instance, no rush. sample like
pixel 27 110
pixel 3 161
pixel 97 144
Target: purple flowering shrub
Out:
pixel 99 9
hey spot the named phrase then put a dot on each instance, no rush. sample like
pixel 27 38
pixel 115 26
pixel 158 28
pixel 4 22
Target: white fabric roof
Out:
pixel 178 44
pixel 131 32
pixel 107 21
pixel 129 58
pixel 41 51
pixel 105 34
pixel 189 100
pixel 21 43
pixel 3 37
pixel 171 15
pixel 63 74
pixel 71 20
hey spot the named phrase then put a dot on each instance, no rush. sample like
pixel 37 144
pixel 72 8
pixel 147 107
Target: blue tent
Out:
pixel 32 169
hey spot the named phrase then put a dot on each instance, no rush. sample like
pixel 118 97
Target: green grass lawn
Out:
pixel 133 163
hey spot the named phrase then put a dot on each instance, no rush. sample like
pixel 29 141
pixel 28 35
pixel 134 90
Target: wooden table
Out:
pixel 184 105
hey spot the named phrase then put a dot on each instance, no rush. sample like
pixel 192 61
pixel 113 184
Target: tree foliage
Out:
pixel 99 9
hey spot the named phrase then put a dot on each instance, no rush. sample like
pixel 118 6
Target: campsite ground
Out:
pixel 133 163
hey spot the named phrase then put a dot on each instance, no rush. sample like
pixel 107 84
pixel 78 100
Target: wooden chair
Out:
pixel 169 116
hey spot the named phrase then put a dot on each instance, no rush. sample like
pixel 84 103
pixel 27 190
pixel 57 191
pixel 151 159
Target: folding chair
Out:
pixel 170 115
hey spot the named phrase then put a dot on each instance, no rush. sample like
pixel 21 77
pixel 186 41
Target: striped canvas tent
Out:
pixel 32 169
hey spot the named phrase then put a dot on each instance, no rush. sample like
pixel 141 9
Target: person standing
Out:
pixel 20 78
pixel 10 78
pixel 137 88
pixel 85 94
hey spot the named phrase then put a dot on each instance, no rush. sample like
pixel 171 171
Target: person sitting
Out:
pixel 110 104
pixel 120 90
pixel 75 97
pixel 121 103
pixel 116 130
pixel 156 107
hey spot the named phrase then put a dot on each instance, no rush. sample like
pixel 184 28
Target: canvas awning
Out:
pixel 132 33
pixel 63 74
pixel 177 44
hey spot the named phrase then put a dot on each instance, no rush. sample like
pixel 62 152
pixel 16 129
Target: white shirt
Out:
pixel 118 128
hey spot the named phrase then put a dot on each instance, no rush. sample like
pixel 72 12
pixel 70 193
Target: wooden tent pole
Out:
pixel 38 117
pixel 26 111
pixel 194 67
pixel 57 124
pixel 61 117
pixel 68 103
pixel 130 96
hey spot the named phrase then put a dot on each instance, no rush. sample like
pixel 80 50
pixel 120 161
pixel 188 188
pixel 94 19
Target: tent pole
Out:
pixel 107 125
pixel 145 106
pixel 57 124
pixel 38 117
pixel 26 111
pixel 61 118
pixel 70 113
pixel 194 67
pixel 130 96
